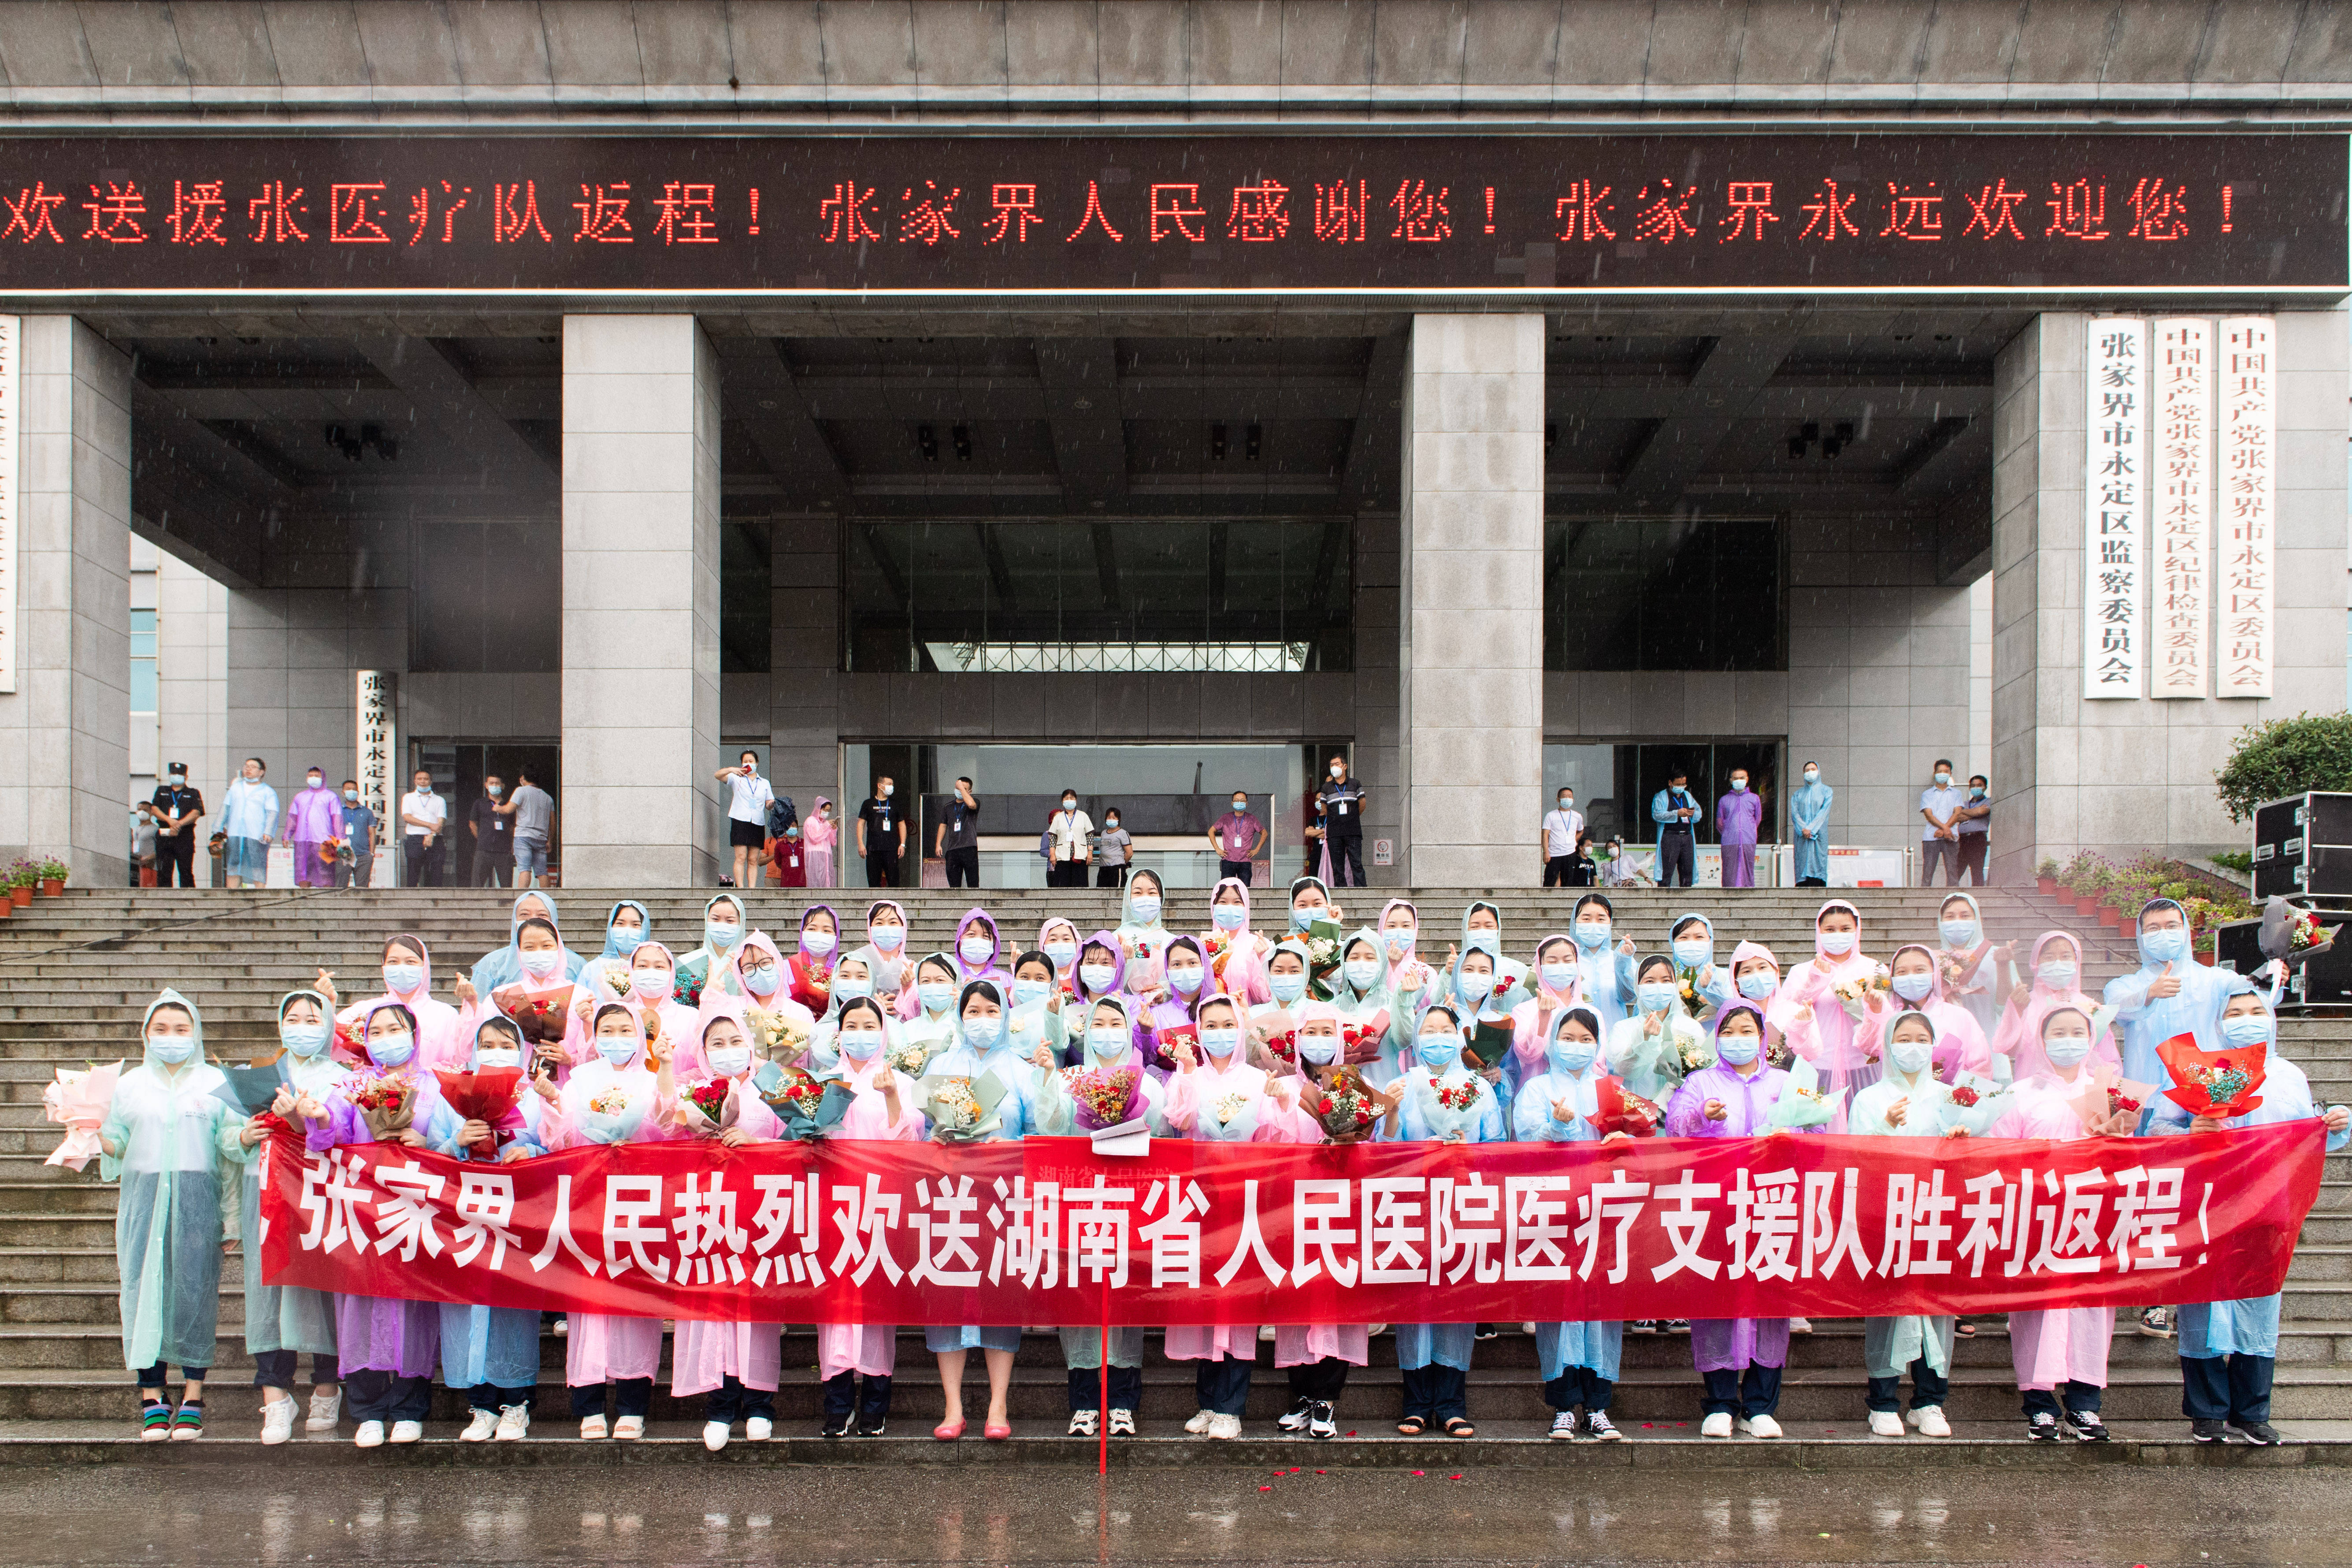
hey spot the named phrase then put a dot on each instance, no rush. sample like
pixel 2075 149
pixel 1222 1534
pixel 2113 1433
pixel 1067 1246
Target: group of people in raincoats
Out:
pixel 1235 1034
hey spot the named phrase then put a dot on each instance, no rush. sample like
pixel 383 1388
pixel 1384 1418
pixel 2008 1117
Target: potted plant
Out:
pixel 2045 877
pixel 23 876
pixel 53 872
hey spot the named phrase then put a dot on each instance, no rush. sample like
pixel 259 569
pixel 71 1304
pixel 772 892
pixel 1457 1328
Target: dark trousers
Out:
pixel 1974 849
pixel 2227 1388
pixel 1933 851
pixel 964 866
pixel 381 1397
pixel 424 865
pixel 881 871
pixel 1347 860
pixel 1108 877
pixel 1755 1391
pixel 1239 870
pixel 1677 859
pixel 1930 1388
pixel 731 1402
pixel 493 871
pixel 631 1396
pixel 1322 1380
pixel 2074 1395
pixel 1126 1388
pixel 490 1397
pixel 842 1396
pixel 275 1369
pixel 1580 1387
pixel 1437 1393
pixel 154 1376
pixel 1556 872
pixel 175 853
pixel 1067 874
pixel 1224 1383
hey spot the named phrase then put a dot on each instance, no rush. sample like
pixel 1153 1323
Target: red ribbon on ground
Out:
pixel 1265 1233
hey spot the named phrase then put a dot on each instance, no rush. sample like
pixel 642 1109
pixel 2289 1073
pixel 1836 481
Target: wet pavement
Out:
pixel 2114 1518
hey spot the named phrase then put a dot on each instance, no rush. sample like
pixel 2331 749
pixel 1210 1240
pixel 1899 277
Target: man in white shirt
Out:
pixel 422 815
pixel 1561 825
pixel 1940 834
pixel 1071 831
pixel 747 816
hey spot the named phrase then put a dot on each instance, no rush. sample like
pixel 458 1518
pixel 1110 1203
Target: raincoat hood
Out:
pixel 914 977
pixel 1238 886
pixel 1731 1010
pixel 1485 989
pixel 839 947
pixel 757 942
pixel 1376 994
pixel 1315 882
pixel 1108 940
pixel 1934 1039
pixel 1747 950
pixel 977 917
pixel 1535 981
pixel 1491 908
pixel 1552 1062
pixel 415 944
pixel 507 1031
pixel 989 989
pixel 1934 975
pixel 1679 921
pixel 2074 949
pixel 1127 905
pixel 645 926
pixel 1975 911
pixel 167 997
pixel 604 990
pixel 637 1033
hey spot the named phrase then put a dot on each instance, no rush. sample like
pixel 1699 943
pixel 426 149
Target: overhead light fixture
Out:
pixel 1253 442
pixel 927 442
pixel 962 437
pixel 1217 442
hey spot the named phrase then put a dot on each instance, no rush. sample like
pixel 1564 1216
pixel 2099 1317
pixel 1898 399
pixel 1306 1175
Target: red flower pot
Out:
pixel 53 886
pixel 2110 916
pixel 2205 956
pixel 21 896
pixel 2048 886
pixel 2087 907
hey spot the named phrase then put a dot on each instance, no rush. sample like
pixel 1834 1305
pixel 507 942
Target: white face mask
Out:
pixel 861 1045
pixel 2067 1050
pixel 819 942
pixel 650 984
pixel 1910 1056
pixel 541 963
pixel 488 1057
pixel 731 1061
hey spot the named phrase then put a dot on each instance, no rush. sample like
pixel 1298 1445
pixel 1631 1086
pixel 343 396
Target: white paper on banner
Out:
pixel 281 873
pixel 2114 507
pixel 12 408
pixel 2181 594
pixel 2245 631
pixel 1859 868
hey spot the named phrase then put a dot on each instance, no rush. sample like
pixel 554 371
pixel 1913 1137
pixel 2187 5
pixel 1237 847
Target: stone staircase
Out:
pixel 80 970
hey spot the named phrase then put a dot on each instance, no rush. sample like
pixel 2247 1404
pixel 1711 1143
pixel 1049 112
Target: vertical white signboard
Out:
pixel 2180 592
pixel 2245 633
pixel 12 510
pixel 2115 509
pixel 372 764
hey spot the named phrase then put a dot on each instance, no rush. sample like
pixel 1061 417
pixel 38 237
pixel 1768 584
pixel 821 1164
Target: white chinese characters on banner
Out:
pixel 2244 641
pixel 2114 494
pixel 11 411
pixel 2183 586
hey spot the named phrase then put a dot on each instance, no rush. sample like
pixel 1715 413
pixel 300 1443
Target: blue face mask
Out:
pixel 1485 940
pixel 400 979
pixel 1959 933
pixel 1145 909
pixel 1318 1050
pixel 2168 945
pixel 1759 984
pixel 1107 1040
pixel 1096 978
pixel 1574 1056
pixel 1439 1052
pixel 1400 943
pixel 934 994
pixel 1059 953
pixel 1913 987
pixel 1737 1049
pixel 173 1049
pixel 1185 981
pixel 1221 1043
pixel 1559 976
pixel 976 950
pixel 1028 991
pixel 1590 937
pixel 1287 988
pixel 1655 996
pixel 1230 917
pixel 2057 976
pixel 860 1044
pixel 848 987
pixel 983 1031
pixel 392 1050
pixel 618 1050
pixel 1364 972
pixel 2246 1029
pixel 625 941
pixel 306 1040
pixel 1694 955
pixel 720 937
pixel 1301 918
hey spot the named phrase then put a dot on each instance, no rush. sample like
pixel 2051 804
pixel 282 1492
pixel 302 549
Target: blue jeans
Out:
pixel 531 859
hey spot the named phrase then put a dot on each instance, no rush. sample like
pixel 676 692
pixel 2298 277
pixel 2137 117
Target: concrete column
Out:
pixel 1470 723
pixel 2126 777
pixel 289 669
pixel 65 731
pixel 192 671
pixel 804 663
pixel 640 604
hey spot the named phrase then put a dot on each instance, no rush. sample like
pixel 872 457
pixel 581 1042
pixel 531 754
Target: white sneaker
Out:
pixel 481 1427
pixel 1200 1423
pixel 714 1435
pixel 514 1423
pixel 1716 1426
pixel 756 1428
pixel 562 1327
pixel 1929 1419
pixel 1083 1424
pixel 407 1431
pixel 1225 1429
pixel 1886 1424
pixel 628 1429
pixel 1122 1423
pixel 1801 1325
pixel 326 1411
pixel 369 1435
pixel 1563 1424
pixel 592 1428
pixel 277 1421
pixel 1760 1426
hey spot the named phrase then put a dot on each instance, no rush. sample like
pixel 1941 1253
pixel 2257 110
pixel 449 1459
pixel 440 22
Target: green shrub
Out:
pixel 2284 757
pixel 2236 860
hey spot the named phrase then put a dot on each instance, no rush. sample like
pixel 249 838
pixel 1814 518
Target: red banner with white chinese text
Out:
pixel 1046 1231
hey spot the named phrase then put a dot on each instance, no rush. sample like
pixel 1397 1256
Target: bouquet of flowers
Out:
pixel 486 1096
pixel 1697 1055
pixel 779 1037
pixel 1778 1052
pixel 1281 1043
pixel 611 1115
pixel 1361 1043
pixel 1447 1104
pixel 1461 1096
pixel 1346 1108
pixel 686 987
pixel 2220 1085
pixel 1218 945
pixel 2305 935
pixel 809 1107
pixel 616 977
pixel 1687 985
pixel 908 1057
pixel 1972 1105
pixel 540 1018
pixel 332 850
pixel 1620 1110
pixel 348 1044
pixel 963 1109
pixel 79 1097
pixel 1800 1107
pixel 818 975
pixel 1228 1118
pixel 1323 938
pixel 708 1107
pixel 387 1104
pixel 1855 992
pixel 1103 1098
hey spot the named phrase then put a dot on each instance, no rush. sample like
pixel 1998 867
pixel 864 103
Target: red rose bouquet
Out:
pixel 486 1096
pixel 1462 1094
pixel 708 1107
pixel 1346 1108
pixel 541 1018
pixel 387 1104
pixel 1620 1110
pixel 2220 1086
pixel 1104 1099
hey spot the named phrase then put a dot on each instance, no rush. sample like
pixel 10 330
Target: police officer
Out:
pixel 178 809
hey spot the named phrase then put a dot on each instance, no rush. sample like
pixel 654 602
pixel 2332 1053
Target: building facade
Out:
pixel 1158 399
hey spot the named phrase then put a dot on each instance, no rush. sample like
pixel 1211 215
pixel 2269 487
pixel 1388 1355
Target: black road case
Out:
pixel 2303 845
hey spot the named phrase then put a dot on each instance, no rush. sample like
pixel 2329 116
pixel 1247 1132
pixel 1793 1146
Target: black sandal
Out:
pixel 1458 1427
pixel 1412 1426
